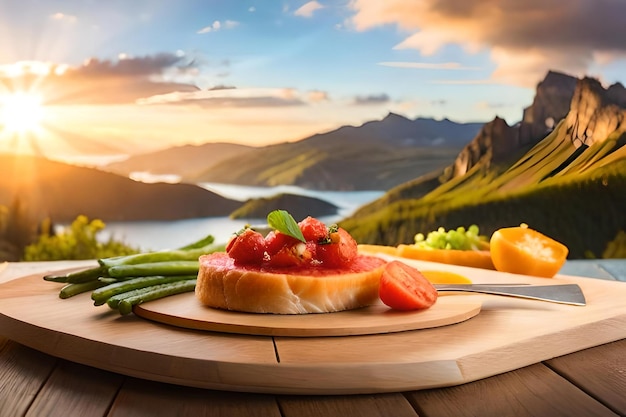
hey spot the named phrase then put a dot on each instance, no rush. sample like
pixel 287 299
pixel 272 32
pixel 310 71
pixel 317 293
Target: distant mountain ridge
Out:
pixel 374 156
pixel 182 161
pixel 554 180
pixel 61 192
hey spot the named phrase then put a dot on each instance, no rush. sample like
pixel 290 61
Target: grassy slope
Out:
pixel 582 205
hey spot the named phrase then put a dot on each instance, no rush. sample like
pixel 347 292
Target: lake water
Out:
pixel 157 235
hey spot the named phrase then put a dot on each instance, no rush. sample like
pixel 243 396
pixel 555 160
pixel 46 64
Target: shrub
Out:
pixel 79 241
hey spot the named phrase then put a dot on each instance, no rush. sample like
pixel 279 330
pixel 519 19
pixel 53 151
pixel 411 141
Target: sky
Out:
pixel 116 77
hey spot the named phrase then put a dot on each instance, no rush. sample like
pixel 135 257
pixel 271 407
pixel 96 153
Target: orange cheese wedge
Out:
pixel 374 249
pixel 444 277
pixel 473 258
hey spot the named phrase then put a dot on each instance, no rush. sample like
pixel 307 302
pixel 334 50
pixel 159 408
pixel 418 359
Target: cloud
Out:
pixel 308 9
pixel 524 39
pixel 371 99
pixel 485 81
pixel 317 96
pixel 481 105
pixel 229 97
pixel 128 66
pixel 100 81
pixel 428 65
pixel 62 17
pixel 217 25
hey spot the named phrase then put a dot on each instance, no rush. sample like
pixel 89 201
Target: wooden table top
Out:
pixel 591 382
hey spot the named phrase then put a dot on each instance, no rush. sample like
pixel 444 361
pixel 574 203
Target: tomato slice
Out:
pixel 403 287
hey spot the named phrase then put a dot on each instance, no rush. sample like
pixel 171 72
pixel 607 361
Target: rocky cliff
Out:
pixel 498 142
pixel 596 113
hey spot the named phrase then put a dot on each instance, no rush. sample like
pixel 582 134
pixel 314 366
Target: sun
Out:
pixel 21 112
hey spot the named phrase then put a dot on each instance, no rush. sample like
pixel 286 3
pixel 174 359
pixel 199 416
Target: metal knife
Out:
pixel 561 293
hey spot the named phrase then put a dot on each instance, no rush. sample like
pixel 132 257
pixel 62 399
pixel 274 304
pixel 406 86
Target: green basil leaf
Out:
pixel 282 221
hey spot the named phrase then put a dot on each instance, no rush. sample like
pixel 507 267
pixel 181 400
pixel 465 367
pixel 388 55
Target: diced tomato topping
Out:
pixel 275 241
pixel 341 251
pixel 247 247
pixel 323 248
pixel 403 287
pixel 293 255
pixel 313 229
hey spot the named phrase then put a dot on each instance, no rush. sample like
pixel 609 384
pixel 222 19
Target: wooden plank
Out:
pixel 139 398
pixel 534 391
pixel 76 390
pixel 598 371
pixel 23 372
pixel 376 405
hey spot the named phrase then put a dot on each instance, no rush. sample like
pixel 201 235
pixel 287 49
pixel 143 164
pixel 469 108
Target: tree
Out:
pixel 17 230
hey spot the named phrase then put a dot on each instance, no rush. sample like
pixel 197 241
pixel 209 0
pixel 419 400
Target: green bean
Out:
pixel 120 277
pixel 71 290
pixel 150 257
pixel 126 304
pixel 155 268
pixel 76 277
pixel 101 295
pixel 199 244
pixel 186 253
pixel 114 301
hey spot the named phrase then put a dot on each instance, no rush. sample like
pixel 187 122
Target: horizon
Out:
pixel 83 79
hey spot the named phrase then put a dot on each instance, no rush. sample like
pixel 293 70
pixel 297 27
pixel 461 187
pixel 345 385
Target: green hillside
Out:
pixel 577 196
pixel 374 156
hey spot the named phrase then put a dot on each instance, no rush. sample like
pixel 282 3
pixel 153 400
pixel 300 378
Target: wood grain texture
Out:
pixel 377 405
pixel 508 334
pixel 533 391
pixel 145 398
pixel 186 311
pixel 23 371
pixel 599 372
pixel 67 395
pixel 140 398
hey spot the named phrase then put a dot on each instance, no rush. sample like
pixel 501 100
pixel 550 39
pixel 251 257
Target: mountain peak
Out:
pixel 596 112
pixel 394 117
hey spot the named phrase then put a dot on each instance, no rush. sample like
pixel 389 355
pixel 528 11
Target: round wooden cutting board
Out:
pixel 186 311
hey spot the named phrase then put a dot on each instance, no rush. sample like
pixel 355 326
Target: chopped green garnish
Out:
pixel 328 240
pixel 282 221
pixel 459 239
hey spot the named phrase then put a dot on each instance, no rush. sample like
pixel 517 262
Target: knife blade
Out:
pixel 560 293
